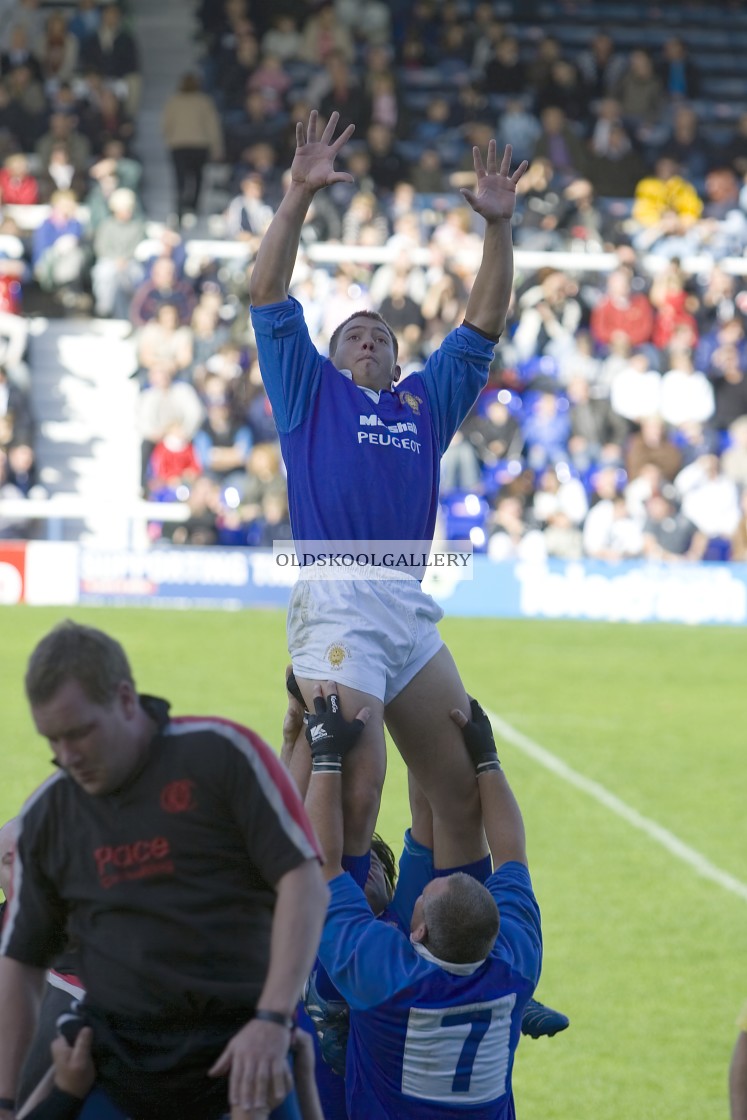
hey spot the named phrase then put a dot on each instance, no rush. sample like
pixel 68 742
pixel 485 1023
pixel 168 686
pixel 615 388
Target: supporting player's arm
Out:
pixel 311 170
pixel 330 737
pixel 21 988
pixel 495 199
pixel 504 826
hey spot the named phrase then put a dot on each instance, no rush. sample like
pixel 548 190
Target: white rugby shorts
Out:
pixel 372 635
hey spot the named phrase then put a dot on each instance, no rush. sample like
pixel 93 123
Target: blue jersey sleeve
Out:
pixel 453 377
pixel 520 934
pixel 289 362
pixel 415 872
pixel 367 960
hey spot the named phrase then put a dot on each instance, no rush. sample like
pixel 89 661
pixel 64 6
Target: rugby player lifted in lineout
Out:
pixel 363 458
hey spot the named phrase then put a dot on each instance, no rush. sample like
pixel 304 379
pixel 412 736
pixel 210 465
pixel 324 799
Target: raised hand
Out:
pixel 314 162
pixel 495 196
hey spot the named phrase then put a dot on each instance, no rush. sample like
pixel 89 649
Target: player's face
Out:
pixel 97 745
pixel 377 890
pixel 365 348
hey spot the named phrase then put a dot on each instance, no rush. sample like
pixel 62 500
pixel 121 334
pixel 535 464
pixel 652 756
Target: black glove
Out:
pixel 292 685
pixel 329 735
pixel 478 738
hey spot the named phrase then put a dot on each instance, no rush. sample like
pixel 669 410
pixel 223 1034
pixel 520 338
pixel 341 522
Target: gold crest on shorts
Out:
pixel 412 402
pixel 336 654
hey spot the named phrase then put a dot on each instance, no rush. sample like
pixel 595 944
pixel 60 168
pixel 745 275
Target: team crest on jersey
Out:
pixel 178 797
pixel 412 402
pixel 336 654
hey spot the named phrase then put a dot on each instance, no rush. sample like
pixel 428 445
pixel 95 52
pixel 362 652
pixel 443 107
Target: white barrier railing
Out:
pixel 55 511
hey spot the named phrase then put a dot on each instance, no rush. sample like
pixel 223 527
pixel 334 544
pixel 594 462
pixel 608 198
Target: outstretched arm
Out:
pixel 330 737
pixel 504 826
pixel 495 200
pixel 312 169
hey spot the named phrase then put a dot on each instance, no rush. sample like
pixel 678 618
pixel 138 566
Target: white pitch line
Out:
pixel 657 832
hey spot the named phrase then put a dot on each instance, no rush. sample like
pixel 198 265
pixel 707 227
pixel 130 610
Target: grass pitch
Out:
pixel 642 950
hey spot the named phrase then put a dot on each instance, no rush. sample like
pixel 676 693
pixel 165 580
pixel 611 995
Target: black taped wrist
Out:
pixel 326 764
pixel 478 330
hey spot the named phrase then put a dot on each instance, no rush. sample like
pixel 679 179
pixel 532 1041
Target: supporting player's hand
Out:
pixel 74 1072
pixel 495 196
pixel 314 162
pixel 478 737
pixel 329 735
pixel 256 1060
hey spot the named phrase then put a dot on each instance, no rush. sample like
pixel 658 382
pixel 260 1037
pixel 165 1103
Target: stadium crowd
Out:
pixel 614 422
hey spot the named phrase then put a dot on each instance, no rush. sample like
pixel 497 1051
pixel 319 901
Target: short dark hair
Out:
pixel 462 921
pixel 80 653
pixel 361 315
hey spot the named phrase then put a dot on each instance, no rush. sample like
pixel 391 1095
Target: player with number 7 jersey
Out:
pixel 430 1038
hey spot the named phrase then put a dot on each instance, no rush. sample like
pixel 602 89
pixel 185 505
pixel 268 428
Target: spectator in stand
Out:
pixel 106 123
pixel 63 129
pixel 710 500
pixel 561 145
pixel 547 52
pixel 582 221
pixel 201 527
pixel 112 51
pixel 614 166
pixel 364 221
pixel 688 147
pixel 388 168
pixel 249 214
pixel 666 208
pixel 601 68
pixel 85 19
pixel 667 533
pixel 610 532
pixel 173 463
pixel 193 135
pixel 686 393
pixel 283 38
pixel 716 299
pixel 165 339
pixel 622 311
pixel 234 67
pixel 727 332
pixel 223 444
pixel 322 34
pixel 339 81
pixel 505 72
pixel 28 105
pixel 549 316
pixel 494 434
pixel 20 51
pixel 162 286
pixel 58 51
pixel 116 272
pixel 672 319
pixel 519 127
pixel 546 430
pixel 651 446
pixel 208 335
pixel 539 207
pixel 18 187
pixel 563 89
pixel 597 433
pixel 58 255
pixel 272 81
pixel 729 386
pixel 61 174
pixel 559 507
pixel 254 125
pixel 640 93
pixel 112 171
pixel 722 229
pixel 734 459
pixel 511 537
pixel 163 403
pixel 678 73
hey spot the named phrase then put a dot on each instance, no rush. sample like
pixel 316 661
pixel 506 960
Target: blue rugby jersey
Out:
pixel 360 469
pixel 426 1041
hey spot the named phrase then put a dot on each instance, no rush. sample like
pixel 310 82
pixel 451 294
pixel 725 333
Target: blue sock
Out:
pixel 481 870
pixel 358 867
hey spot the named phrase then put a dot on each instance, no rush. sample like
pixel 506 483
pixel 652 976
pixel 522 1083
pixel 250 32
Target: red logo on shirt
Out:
pixel 177 797
pixel 137 860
